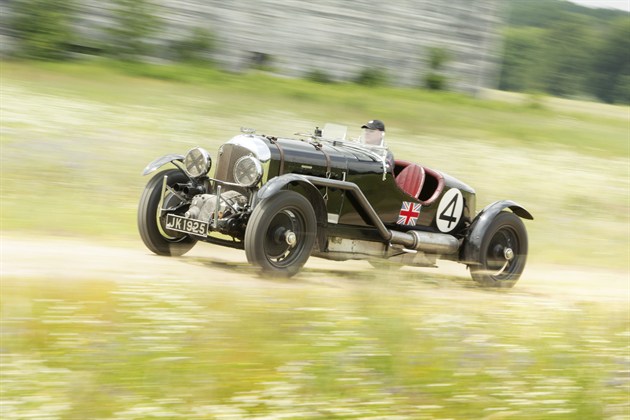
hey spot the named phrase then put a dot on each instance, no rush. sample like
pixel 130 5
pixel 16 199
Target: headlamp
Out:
pixel 197 162
pixel 248 171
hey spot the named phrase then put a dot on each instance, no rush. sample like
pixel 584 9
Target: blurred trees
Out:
pixel 372 76
pixel 566 54
pixel 47 30
pixel 194 48
pixel 611 76
pixel 435 79
pixel 134 22
pixel 550 46
pixel 44 28
pixel 563 49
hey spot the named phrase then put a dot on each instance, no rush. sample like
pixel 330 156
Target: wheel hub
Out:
pixel 290 237
pixel 286 236
pixel 503 255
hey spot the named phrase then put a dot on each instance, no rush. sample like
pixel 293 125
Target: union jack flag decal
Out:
pixel 409 213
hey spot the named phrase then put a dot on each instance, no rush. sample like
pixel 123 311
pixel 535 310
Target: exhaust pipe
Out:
pixel 189 189
pixel 434 243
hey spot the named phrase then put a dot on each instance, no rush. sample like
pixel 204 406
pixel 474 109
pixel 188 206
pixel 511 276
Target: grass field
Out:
pixel 370 349
pixel 363 345
pixel 76 137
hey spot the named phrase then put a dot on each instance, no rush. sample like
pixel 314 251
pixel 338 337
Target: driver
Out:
pixel 373 133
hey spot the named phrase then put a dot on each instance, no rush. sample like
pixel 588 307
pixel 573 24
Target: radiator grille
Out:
pixel 228 155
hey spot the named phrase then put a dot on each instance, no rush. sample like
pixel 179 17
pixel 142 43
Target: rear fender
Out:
pixel 470 253
pixel 163 161
pixel 277 184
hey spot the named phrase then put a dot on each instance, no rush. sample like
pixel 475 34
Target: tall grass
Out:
pixel 174 348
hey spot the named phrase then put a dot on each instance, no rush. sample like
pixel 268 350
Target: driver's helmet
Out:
pixel 373 133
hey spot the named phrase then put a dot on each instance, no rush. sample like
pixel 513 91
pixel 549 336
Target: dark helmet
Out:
pixel 374 125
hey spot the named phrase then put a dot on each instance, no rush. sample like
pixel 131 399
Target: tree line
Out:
pixel 46 30
pixel 549 46
pixel 563 49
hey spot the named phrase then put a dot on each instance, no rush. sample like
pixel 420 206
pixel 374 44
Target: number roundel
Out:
pixel 450 210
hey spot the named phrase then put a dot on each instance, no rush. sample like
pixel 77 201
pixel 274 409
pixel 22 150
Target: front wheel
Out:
pixel 152 224
pixel 503 252
pixel 281 233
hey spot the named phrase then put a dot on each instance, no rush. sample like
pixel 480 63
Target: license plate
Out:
pixel 182 224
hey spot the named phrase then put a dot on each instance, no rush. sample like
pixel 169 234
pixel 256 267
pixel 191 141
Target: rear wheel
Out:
pixel 151 223
pixel 503 252
pixel 281 233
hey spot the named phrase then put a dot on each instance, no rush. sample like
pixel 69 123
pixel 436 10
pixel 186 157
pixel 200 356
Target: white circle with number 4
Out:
pixel 450 210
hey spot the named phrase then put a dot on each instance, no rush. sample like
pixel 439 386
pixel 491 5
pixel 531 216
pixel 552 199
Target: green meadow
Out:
pixel 74 140
pixel 363 348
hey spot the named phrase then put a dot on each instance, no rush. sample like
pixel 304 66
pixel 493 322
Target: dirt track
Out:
pixel 77 259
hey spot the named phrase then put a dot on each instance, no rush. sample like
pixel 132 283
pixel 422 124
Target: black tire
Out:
pixel 266 243
pixel 495 268
pixel 152 231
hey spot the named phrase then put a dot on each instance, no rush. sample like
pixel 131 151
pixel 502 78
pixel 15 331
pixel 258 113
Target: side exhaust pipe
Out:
pixel 435 243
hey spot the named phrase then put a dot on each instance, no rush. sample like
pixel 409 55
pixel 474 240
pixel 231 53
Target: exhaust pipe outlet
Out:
pixel 429 242
pixel 189 189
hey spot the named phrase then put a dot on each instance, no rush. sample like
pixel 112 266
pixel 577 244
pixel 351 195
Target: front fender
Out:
pixel 161 162
pixel 472 243
pixel 275 185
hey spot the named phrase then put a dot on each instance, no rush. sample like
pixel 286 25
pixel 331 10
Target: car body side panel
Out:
pixel 387 199
pixel 334 161
pixel 303 158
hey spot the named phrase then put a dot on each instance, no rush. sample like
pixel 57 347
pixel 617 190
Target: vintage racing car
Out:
pixel 283 200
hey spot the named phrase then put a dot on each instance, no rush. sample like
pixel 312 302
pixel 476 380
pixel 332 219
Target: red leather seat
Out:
pixel 410 179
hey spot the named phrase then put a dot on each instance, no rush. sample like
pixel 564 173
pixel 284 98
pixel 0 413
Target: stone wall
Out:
pixel 338 37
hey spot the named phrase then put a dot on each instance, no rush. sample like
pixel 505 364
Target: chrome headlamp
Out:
pixel 197 162
pixel 248 171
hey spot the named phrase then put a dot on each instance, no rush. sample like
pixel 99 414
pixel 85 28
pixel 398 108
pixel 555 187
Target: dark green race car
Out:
pixel 283 200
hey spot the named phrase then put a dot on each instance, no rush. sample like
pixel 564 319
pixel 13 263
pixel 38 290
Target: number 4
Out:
pixel 452 205
pixel 450 210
